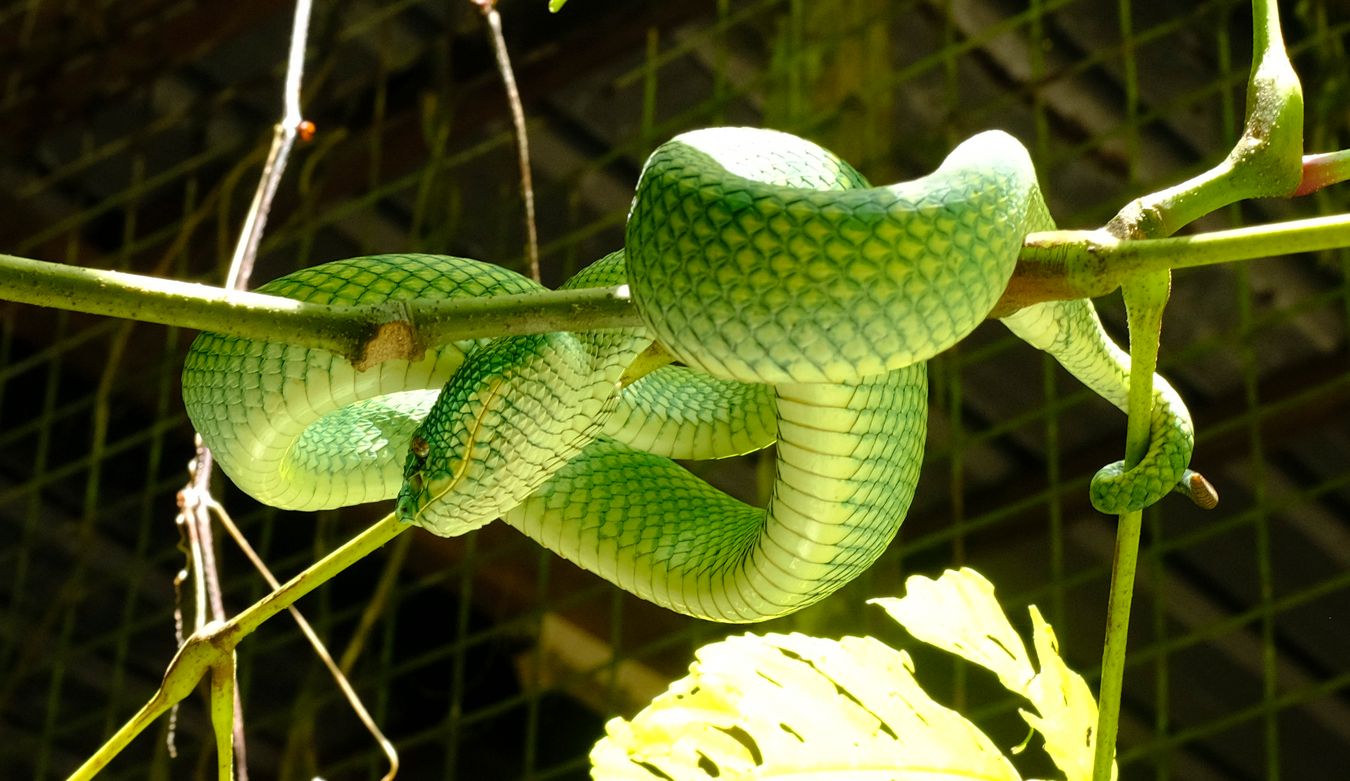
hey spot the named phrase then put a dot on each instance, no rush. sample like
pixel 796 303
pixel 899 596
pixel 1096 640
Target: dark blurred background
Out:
pixel 131 137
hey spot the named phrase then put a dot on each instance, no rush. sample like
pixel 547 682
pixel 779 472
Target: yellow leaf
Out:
pixel 958 613
pixel 798 707
pixel 1066 712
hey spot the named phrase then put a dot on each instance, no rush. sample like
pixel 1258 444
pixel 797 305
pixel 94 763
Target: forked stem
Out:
pixel 1145 299
pixel 223 714
pixel 212 647
pixel 1266 161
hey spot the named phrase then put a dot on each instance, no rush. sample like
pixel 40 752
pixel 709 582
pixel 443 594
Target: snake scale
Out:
pixel 800 303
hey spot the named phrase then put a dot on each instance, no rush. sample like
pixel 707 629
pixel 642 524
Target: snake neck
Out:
pixel 516 411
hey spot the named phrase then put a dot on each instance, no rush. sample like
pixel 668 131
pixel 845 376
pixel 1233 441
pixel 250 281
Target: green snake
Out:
pixel 800 304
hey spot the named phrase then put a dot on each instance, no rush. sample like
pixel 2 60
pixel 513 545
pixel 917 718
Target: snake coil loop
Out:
pixel 803 303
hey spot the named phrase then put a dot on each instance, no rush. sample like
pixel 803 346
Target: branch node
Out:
pixel 1141 218
pixel 394 339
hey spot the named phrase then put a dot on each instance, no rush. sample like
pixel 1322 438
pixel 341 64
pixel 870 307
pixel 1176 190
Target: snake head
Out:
pixel 515 411
pixel 414 480
pixel 445 488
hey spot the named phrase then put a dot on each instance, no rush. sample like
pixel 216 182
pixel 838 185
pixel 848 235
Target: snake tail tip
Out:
pixel 1201 491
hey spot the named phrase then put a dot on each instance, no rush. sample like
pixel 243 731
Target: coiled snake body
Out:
pixel 802 303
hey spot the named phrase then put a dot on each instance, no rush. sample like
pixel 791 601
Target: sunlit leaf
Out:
pixel 959 614
pixel 1066 712
pixel 792 706
pixel 799 707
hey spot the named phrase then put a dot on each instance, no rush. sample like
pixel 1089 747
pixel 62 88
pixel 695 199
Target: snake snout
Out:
pixel 422 486
pixel 435 501
pixel 406 507
pixel 410 494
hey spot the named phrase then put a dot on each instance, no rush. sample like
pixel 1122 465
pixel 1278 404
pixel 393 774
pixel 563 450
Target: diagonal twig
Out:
pixel 336 671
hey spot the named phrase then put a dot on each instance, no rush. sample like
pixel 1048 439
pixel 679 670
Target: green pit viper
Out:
pixel 802 304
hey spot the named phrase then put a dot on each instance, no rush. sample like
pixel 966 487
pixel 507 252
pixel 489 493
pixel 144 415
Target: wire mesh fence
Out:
pixel 133 134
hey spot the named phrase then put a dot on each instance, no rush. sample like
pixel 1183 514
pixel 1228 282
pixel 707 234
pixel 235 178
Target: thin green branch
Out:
pixel 1145 299
pixel 365 334
pixel 1129 258
pixel 224 714
pixel 338 673
pixel 1054 265
pixel 167 301
pixel 1266 161
pixel 1324 170
pixel 213 645
pixel 1088 264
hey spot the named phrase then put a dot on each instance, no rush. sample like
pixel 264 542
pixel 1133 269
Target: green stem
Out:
pixel 158 705
pixel 222 714
pixel 364 334
pixel 168 302
pixel 1053 265
pixel 1145 299
pixel 1266 161
pixel 323 570
pixel 1129 527
pixel 1324 170
pixel 1094 263
pixel 212 647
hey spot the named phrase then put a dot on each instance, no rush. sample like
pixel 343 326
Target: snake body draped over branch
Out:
pixel 802 304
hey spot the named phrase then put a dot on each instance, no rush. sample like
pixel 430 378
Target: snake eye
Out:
pixel 420 448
